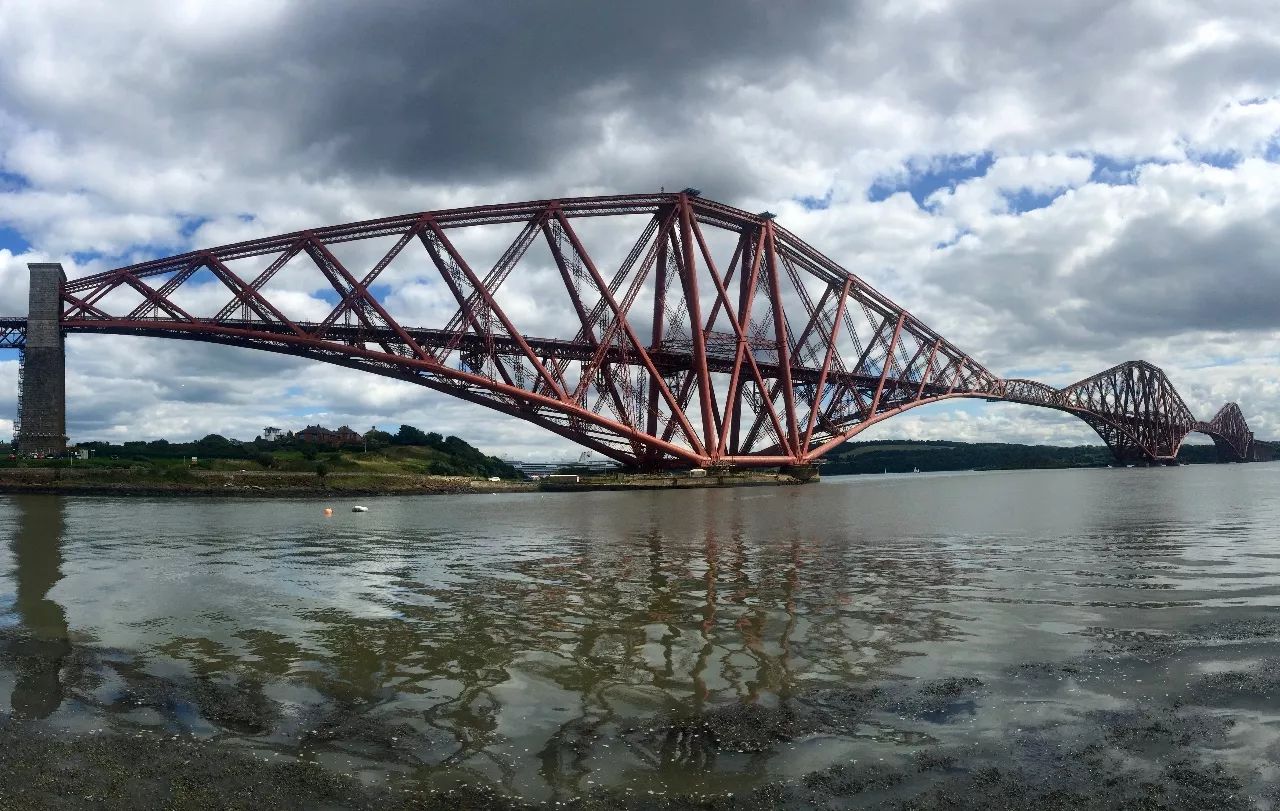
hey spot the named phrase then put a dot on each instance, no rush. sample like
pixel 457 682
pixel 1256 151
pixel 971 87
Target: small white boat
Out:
pixel 359 509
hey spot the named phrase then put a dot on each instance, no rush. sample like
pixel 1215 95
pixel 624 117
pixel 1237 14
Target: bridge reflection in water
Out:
pixel 40 643
pixel 538 643
pixel 454 658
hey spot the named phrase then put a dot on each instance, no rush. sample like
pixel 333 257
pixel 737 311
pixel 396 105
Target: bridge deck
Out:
pixel 670 357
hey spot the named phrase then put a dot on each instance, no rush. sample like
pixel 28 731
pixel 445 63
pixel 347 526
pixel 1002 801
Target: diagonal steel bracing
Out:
pixel 661 330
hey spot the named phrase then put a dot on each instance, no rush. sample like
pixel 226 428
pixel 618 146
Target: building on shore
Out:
pixel 319 435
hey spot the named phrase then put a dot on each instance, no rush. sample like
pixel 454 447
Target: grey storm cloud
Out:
pixel 476 93
pixel 448 91
pixel 1159 279
pixel 465 91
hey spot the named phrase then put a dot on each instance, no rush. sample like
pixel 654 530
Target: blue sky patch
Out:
pixel 328 295
pixel 1224 159
pixel 922 178
pixel 816 203
pixel 1023 200
pixel 11 182
pixel 1114 171
pixel 11 239
pixel 190 224
pixel 381 291
pixel 1121 171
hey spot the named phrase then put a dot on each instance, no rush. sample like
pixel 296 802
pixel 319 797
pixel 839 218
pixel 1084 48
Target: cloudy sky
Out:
pixel 1055 187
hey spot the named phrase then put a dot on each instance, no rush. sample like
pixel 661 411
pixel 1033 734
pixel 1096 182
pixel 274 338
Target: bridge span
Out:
pixel 660 330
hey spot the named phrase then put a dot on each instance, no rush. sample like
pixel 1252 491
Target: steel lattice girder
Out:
pixel 13 333
pixel 719 337
pixel 769 354
pixel 1137 412
pixel 1230 433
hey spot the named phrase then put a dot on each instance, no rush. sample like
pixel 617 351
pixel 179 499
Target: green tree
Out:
pixel 217 447
pixel 408 435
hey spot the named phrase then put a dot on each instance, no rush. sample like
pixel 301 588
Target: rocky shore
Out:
pixel 1170 749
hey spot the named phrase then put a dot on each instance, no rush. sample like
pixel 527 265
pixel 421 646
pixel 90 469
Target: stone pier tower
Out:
pixel 42 399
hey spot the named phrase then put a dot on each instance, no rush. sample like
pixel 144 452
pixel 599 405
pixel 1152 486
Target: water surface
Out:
pixel 553 644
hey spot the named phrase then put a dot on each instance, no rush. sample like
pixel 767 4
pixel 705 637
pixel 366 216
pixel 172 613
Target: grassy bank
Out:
pixel 411 462
pixel 175 480
pixel 161 480
pixel 370 477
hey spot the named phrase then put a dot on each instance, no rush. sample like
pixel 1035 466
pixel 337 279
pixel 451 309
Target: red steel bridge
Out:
pixel 660 330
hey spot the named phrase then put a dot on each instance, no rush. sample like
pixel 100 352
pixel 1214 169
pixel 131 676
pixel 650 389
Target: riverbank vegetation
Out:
pixel 904 456
pixel 409 451
pixel 157 480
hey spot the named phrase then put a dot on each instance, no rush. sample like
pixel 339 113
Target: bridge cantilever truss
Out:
pixel 1138 413
pixel 1230 434
pixel 659 330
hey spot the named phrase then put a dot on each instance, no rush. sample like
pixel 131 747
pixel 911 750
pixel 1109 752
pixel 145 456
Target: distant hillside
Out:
pixel 903 456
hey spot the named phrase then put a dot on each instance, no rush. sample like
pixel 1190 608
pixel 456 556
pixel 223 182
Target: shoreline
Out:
pixel 251 484
pixel 650 481
pixel 1169 752
pixel 273 484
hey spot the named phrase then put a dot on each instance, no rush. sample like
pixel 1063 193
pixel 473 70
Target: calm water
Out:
pixel 532 640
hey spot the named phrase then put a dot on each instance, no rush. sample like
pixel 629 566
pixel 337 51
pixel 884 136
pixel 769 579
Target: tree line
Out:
pixel 904 456
pixel 452 455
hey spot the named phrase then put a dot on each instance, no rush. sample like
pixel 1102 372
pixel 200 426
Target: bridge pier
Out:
pixel 803 473
pixel 42 399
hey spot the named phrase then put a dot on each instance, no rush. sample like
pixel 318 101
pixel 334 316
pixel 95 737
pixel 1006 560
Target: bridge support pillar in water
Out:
pixel 42 398
pixel 803 473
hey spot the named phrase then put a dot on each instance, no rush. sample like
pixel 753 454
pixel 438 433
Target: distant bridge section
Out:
pixel 659 330
pixel 1139 414
pixel 1231 435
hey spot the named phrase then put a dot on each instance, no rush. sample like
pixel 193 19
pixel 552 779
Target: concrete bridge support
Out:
pixel 42 399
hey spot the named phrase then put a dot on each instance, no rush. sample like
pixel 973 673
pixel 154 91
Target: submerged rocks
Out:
pixel 746 728
pixel 1255 684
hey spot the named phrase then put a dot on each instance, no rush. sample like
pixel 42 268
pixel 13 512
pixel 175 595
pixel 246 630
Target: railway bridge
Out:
pixel 660 330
